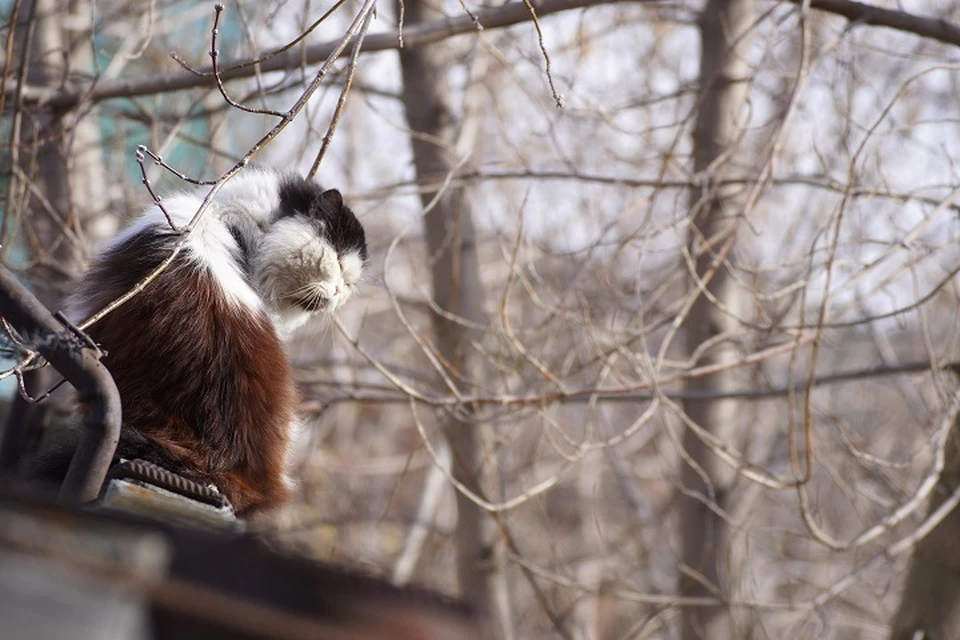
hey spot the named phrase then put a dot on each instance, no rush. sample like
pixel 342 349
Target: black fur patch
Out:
pixel 49 467
pixel 244 247
pixel 339 226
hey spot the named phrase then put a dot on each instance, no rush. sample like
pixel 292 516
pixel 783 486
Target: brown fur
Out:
pixel 208 383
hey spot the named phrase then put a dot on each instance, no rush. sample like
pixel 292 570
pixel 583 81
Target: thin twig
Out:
pixel 557 98
pixel 160 161
pixel 342 100
pixel 214 56
pixel 157 200
pixel 263 58
pixel 473 16
pixel 22 388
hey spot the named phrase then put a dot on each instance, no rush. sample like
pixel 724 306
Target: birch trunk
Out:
pixel 930 604
pixel 457 288
pixel 723 81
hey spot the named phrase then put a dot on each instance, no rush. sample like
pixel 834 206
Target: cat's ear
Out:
pixel 334 198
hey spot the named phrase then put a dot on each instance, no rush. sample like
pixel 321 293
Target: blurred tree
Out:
pixel 451 253
pixel 56 183
pixel 930 604
pixel 634 299
pixel 714 312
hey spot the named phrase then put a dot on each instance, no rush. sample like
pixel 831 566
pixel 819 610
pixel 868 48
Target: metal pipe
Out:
pixel 77 360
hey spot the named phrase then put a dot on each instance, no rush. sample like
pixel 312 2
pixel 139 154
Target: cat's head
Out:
pixel 312 254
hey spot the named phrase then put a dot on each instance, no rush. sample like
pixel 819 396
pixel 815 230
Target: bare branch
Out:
pixel 867 14
pixel 413 37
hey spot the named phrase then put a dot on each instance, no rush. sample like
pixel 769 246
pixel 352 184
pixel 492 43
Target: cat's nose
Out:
pixel 336 289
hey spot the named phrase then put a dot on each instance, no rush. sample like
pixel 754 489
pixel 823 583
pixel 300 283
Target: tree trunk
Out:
pixel 930 604
pixel 60 174
pixel 452 254
pixel 54 257
pixel 723 81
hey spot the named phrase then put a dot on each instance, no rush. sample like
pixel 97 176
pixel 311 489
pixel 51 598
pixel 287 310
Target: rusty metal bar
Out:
pixel 79 363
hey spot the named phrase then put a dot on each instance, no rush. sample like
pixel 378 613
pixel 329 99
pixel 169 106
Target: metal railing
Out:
pixel 76 357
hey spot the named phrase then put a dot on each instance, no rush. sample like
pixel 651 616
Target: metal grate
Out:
pixel 158 476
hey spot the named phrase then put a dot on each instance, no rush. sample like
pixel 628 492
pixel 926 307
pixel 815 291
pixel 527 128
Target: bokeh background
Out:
pixel 659 327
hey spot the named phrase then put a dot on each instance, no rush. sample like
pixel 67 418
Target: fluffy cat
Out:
pixel 205 383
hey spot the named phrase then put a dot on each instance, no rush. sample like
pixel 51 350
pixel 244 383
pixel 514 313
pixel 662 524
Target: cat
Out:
pixel 206 386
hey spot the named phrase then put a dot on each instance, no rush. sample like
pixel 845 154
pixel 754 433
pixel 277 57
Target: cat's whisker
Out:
pixel 312 296
pixel 303 289
pixel 310 290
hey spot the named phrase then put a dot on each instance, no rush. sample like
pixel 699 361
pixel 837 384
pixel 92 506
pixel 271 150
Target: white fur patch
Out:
pixel 352 267
pixel 252 195
pixel 288 320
